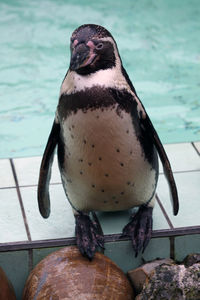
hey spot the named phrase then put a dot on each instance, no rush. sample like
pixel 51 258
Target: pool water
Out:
pixel 158 42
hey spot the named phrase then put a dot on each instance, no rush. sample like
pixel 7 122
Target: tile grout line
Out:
pixel 164 213
pixel 27 185
pixel 20 201
pixel 183 171
pixel 195 148
pixel 30 256
pixel 171 239
pixel 172 247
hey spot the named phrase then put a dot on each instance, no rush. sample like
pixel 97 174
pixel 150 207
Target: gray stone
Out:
pixel 138 276
pixel 172 282
pixel 191 259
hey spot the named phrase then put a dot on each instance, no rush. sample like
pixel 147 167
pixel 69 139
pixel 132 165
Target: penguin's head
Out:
pixel 92 48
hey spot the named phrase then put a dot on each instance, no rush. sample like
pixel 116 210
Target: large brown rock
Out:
pixel 66 274
pixel 6 289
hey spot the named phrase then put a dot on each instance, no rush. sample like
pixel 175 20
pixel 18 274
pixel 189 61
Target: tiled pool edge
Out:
pixel 62 242
pixel 175 242
pixel 22 261
pixel 109 238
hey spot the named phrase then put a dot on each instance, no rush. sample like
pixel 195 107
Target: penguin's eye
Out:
pixel 99 46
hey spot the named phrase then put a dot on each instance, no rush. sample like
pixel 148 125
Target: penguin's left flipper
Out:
pixel 45 171
pixel 146 122
pixel 89 235
pixel 139 229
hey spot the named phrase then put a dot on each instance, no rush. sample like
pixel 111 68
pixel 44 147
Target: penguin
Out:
pixel 107 146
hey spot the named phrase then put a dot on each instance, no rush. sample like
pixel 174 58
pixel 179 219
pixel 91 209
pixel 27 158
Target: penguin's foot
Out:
pixel 89 235
pixel 139 228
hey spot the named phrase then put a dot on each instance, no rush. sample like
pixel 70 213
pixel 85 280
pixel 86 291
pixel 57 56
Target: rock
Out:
pixel 138 276
pixel 191 259
pixel 66 274
pixel 6 289
pixel 172 282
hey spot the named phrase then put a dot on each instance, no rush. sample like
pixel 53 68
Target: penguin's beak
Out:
pixel 82 56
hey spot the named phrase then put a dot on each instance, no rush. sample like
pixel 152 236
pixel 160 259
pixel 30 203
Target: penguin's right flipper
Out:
pixel 89 235
pixel 45 171
pixel 146 122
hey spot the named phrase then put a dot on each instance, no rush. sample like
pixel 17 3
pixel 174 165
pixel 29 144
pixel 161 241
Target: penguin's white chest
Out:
pixel 104 165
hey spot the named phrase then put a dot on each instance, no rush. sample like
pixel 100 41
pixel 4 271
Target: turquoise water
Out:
pixel 159 44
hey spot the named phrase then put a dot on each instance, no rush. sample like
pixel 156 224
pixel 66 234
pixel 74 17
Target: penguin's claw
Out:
pixel 139 229
pixel 88 237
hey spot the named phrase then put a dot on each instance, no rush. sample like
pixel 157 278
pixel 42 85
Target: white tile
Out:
pixel 182 157
pixel 6 175
pixel 189 205
pixel 27 170
pixel 197 145
pixel 11 220
pixel 60 223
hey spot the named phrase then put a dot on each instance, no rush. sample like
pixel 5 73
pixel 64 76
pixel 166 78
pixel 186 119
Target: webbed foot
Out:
pixel 89 235
pixel 139 229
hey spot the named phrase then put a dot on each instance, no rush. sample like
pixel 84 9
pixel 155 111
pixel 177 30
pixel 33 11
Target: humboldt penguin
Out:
pixel 106 144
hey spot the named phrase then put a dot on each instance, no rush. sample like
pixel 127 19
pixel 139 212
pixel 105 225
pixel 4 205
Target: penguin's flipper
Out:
pixel 146 122
pixel 45 171
pixel 89 235
pixel 139 229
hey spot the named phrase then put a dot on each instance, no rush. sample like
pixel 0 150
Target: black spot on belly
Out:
pixel 89 163
pixel 121 164
pixel 102 190
pixel 100 158
pixel 80 160
pixel 128 183
pixel 93 146
pixel 93 185
pixel 117 150
pixel 73 126
pixel 117 202
pixel 106 175
pixel 81 172
pixel 84 141
pixel 127 131
pixel 122 193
